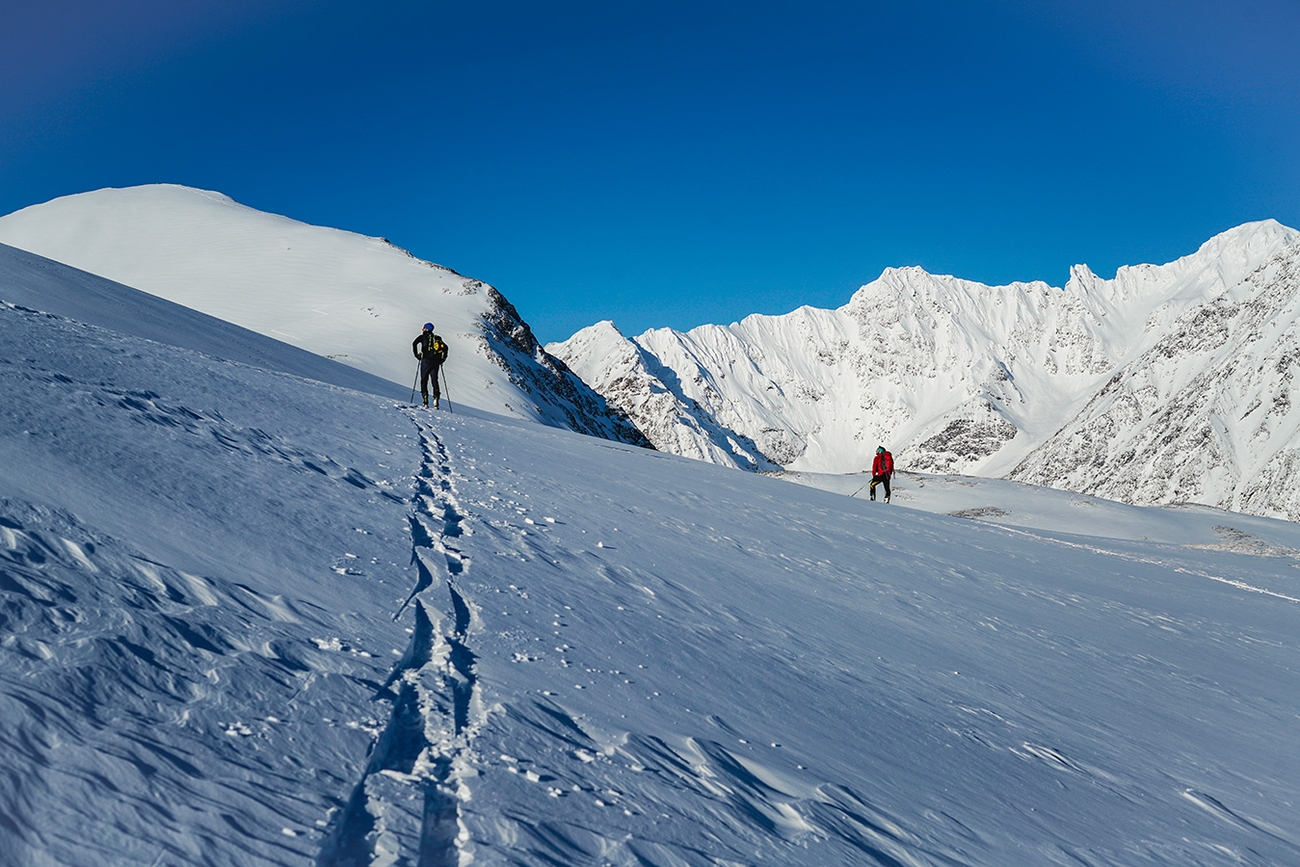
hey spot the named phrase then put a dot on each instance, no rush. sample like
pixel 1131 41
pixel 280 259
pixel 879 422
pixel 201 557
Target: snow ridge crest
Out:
pixel 356 299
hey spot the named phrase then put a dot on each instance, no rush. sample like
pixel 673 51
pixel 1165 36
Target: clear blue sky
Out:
pixel 674 163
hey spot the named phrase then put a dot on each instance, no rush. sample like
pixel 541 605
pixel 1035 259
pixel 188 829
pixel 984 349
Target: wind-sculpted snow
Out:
pixel 158 716
pixel 956 376
pixel 658 662
pixel 247 618
pixel 187 656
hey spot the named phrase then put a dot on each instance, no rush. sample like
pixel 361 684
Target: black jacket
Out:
pixel 429 348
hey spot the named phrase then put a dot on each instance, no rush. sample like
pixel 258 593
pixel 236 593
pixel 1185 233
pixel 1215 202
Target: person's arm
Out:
pixel 415 346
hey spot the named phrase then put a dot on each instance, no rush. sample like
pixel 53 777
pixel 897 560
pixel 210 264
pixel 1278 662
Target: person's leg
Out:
pixel 424 383
pixel 885 480
pixel 875 481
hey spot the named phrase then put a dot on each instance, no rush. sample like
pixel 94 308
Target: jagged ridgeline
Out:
pixel 1165 384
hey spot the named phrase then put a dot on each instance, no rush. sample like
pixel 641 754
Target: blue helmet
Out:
pixel 428 326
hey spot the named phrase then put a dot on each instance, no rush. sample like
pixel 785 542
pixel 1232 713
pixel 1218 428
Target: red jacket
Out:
pixel 883 465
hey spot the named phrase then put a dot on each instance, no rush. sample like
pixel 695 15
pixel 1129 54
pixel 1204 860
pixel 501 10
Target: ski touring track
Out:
pixel 405 809
pixel 1153 561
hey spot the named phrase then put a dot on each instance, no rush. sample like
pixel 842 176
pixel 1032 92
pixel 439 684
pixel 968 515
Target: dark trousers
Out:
pixel 879 480
pixel 429 369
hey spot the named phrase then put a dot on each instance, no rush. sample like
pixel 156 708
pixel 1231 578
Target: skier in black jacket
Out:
pixel 432 352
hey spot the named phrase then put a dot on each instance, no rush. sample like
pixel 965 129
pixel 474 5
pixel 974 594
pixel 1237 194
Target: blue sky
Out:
pixel 676 163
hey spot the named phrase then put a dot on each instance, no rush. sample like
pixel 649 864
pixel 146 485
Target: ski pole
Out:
pixel 415 382
pixel 859 490
pixel 446 391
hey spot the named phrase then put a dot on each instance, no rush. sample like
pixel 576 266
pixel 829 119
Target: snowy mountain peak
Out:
pixel 958 376
pixel 1253 239
pixel 356 299
pixel 1083 280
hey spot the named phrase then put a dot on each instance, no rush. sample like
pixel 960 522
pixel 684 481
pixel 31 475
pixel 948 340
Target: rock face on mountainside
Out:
pixel 358 300
pixel 1165 384
pixel 1205 415
pixel 569 402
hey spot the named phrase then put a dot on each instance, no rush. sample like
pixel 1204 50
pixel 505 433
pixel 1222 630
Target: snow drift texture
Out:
pixel 352 298
pixel 251 617
pixel 1166 384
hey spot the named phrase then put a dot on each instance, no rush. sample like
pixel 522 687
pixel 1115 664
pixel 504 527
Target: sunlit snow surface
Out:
pixel 355 299
pixel 249 618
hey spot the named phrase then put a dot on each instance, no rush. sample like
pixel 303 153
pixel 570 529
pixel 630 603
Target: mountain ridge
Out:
pixel 356 299
pixel 953 375
pixel 1085 387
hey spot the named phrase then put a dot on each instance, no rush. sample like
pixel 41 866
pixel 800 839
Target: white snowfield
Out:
pixel 355 299
pixel 1165 384
pixel 248 617
pixel 39 283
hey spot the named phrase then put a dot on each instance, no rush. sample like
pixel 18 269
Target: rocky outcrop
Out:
pixel 1205 415
pixel 562 398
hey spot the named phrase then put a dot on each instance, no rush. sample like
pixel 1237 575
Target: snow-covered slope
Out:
pixel 249 618
pixel 952 375
pixel 32 281
pixel 355 299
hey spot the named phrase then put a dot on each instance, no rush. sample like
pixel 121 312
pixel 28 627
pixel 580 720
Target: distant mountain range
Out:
pixel 1165 384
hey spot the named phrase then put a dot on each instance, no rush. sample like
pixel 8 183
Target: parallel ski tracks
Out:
pixel 405 809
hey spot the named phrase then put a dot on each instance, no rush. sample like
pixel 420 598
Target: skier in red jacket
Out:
pixel 882 468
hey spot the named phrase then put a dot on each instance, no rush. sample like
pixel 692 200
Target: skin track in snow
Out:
pixel 210 652
pixel 406 806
